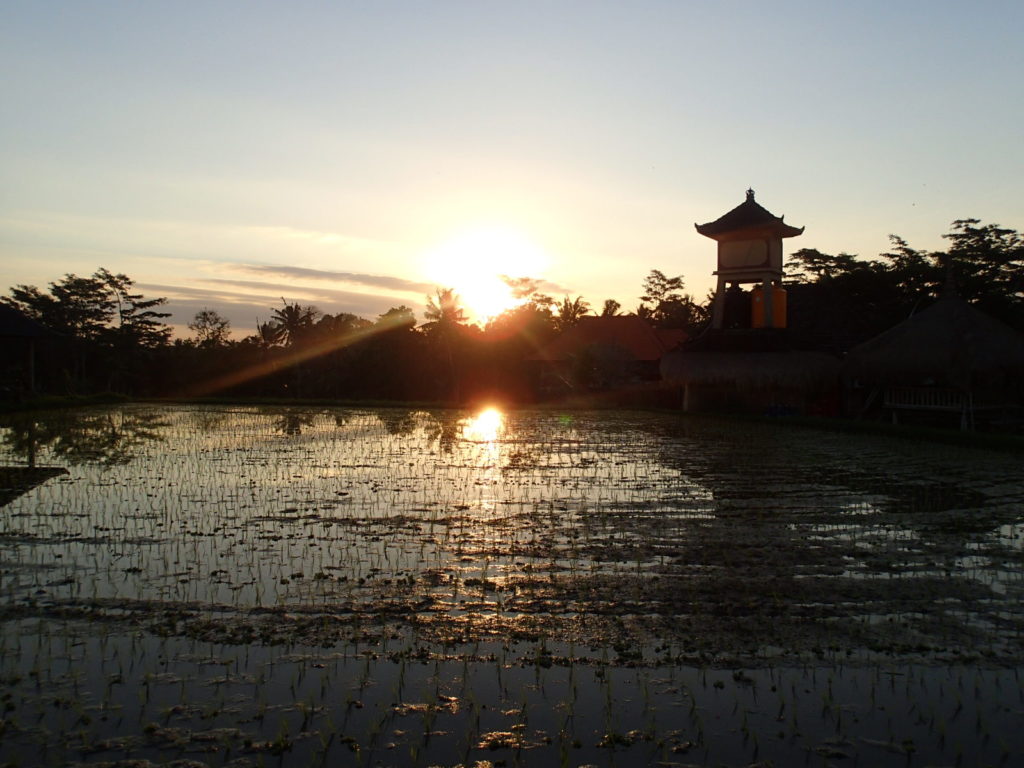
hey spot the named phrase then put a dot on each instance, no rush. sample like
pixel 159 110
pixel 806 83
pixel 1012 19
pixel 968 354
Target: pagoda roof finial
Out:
pixel 748 216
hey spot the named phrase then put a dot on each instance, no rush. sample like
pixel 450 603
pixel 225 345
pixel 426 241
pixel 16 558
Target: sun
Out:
pixel 472 263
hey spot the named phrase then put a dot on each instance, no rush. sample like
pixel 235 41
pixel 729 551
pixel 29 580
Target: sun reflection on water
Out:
pixel 485 427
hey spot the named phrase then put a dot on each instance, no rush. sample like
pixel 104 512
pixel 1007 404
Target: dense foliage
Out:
pixel 845 299
pixel 106 337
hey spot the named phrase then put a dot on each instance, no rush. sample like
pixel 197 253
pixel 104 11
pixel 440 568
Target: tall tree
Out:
pixel 659 288
pixel 444 310
pixel 915 275
pixel 569 312
pixel 987 262
pixel 809 265
pixel 397 317
pixel 665 304
pixel 268 334
pixel 446 322
pixel 610 308
pixel 295 321
pixel 136 321
pixel 210 328
pixel 79 307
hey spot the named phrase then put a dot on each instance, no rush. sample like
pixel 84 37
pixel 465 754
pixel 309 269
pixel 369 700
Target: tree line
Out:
pixel 108 337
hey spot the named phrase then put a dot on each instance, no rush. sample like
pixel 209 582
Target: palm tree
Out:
pixel 444 318
pixel 294 321
pixel 444 310
pixel 268 334
pixel 570 312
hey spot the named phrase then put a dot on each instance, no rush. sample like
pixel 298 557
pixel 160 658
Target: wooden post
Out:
pixel 718 308
pixel 769 309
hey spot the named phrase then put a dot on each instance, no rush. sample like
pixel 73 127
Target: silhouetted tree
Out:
pixel 268 334
pixel 987 265
pixel 136 322
pixel 446 321
pixel 808 265
pixel 666 306
pixel 397 317
pixel 569 312
pixel 295 321
pixel 611 308
pixel 108 330
pixel 210 328
pixel 444 310
pixel 79 307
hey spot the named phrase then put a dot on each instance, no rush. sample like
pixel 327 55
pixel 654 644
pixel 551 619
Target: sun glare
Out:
pixel 473 262
pixel 485 426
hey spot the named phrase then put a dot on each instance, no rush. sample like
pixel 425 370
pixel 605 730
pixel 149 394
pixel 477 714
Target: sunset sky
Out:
pixel 355 155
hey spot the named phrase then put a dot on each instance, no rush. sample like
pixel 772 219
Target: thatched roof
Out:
pixel 14 324
pixel 633 336
pixel 748 215
pixel 948 344
pixel 788 368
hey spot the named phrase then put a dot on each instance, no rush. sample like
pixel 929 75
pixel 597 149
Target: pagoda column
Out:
pixel 718 306
pixel 768 293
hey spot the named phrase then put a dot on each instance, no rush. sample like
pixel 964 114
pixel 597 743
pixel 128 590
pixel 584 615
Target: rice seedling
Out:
pixel 623 541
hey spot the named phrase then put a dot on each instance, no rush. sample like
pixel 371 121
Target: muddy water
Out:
pixel 238 584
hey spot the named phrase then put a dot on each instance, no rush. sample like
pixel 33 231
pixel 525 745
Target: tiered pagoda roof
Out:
pixel 748 215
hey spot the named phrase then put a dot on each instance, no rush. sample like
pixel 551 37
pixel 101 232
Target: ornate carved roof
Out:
pixel 748 215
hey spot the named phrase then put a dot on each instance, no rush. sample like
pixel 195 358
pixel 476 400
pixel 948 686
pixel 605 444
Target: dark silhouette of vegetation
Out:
pixel 211 329
pixel 847 300
pixel 666 306
pixel 610 308
pixel 111 338
pixel 109 335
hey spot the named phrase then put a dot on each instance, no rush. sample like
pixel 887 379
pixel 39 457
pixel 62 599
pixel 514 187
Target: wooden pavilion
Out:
pixel 949 361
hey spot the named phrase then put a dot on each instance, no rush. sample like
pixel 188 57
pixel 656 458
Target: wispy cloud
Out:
pixel 543 286
pixel 386 282
pixel 243 308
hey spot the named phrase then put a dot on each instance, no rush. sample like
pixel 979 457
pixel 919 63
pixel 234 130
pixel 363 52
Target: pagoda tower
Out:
pixel 749 251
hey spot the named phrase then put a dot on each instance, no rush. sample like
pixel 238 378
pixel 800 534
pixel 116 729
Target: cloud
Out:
pixel 386 282
pixel 541 285
pixel 243 309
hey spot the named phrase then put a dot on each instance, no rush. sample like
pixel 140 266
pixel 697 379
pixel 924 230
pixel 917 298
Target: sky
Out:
pixel 357 155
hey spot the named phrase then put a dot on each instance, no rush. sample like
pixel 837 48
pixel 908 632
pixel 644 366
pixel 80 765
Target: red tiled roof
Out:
pixel 630 333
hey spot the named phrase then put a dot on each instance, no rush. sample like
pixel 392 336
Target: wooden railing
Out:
pixel 926 399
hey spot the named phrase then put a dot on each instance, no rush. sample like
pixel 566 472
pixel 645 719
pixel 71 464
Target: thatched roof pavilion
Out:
pixel 17 357
pixel 950 358
pixel 949 344
pixel 17 325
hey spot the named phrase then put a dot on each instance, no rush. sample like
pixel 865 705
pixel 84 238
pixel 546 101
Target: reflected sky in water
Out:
pixel 483 524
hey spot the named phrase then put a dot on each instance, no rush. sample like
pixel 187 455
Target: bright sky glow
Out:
pixel 230 154
pixel 473 262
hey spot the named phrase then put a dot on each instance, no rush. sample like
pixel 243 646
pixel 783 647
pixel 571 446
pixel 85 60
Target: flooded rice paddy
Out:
pixel 287 586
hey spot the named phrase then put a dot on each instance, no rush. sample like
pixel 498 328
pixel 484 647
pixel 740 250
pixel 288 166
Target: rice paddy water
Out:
pixel 252 586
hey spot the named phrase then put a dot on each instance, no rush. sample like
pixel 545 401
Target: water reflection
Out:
pixel 108 437
pixel 712 537
pixel 16 481
pixel 485 426
pixel 293 422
